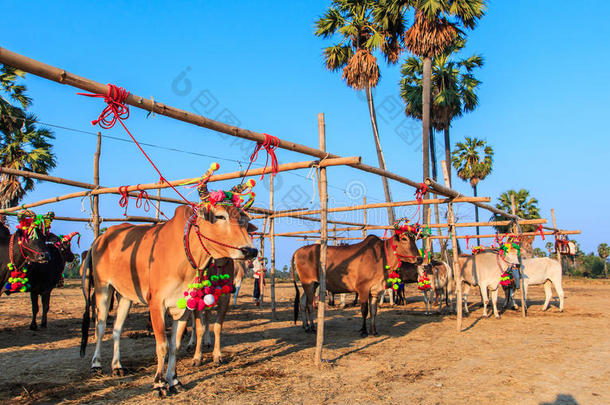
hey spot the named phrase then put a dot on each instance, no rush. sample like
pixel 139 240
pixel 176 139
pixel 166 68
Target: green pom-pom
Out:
pixel 181 303
pixel 214 278
pixel 206 283
pixel 387 267
pixel 395 286
pixel 23 289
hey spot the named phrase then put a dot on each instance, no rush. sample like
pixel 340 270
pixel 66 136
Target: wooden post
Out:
pixel 272 239
pixel 335 235
pixel 457 271
pixel 96 181
pixel 557 250
pixel 262 254
pixel 158 203
pixel 364 218
pixel 323 242
pixel 517 229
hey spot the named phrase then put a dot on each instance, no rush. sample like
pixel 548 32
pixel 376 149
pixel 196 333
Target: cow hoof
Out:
pixel 497 316
pixel 160 392
pixel 118 372
pixel 218 361
pixel 375 333
pixel 176 389
pixel 363 333
pixel 43 325
pixel 196 362
pixel 33 327
pixel 96 370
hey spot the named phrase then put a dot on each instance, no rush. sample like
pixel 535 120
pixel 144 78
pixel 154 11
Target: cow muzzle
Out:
pixel 249 252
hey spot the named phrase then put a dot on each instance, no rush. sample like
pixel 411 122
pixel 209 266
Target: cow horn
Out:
pixel 68 238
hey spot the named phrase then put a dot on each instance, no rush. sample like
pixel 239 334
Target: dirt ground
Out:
pixel 547 358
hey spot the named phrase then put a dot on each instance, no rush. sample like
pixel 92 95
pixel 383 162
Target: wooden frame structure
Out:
pixel 325 159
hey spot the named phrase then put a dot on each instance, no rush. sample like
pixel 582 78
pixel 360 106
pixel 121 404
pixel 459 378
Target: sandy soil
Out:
pixel 548 358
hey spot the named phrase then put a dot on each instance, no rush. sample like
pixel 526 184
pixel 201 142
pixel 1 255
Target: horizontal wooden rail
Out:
pixel 494 235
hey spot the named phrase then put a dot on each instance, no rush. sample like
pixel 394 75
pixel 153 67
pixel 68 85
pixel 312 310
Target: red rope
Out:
pixel 115 98
pixel 124 200
pixel 541 231
pixel 270 144
pixel 420 192
pixel 142 199
pixel 467 241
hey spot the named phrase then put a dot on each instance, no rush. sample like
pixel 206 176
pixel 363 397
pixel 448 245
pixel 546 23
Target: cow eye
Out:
pixel 220 217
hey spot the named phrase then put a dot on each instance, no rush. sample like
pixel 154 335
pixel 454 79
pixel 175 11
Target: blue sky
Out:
pixel 543 100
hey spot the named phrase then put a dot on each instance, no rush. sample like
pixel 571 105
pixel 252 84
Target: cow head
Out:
pixel 63 243
pixel 31 234
pixel 404 241
pixel 510 252
pixel 223 220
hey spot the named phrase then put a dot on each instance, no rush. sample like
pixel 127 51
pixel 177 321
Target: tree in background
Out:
pixel 525 206
pixel 603 250
pixel 361 34
pixel 23 145
pixel 473 161
pixel 453 92
pixel 539 252
pixel 549 247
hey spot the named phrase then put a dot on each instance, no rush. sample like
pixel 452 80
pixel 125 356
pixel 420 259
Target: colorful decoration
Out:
pixel 29 223
pixel 423 283
pixel 206 290
pixel 393 280
pixel 477 249
pixel 402 226
pixel 507 247
pixel 18 280
pixel 507 279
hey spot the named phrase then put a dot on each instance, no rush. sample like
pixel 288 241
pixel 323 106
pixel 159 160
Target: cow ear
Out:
pixel 252 228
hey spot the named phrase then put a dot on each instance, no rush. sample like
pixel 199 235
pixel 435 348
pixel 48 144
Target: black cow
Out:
pixel 408 274
pixel 25 250
pixel 45 276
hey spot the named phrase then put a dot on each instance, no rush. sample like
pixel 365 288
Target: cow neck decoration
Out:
pixel 67 239
pixel 423 282
pixel 478 249
pixel 393 281
pixel 207 289
pixel 507 279
pixel 18 279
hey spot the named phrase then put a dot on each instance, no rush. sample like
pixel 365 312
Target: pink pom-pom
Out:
pixel 191 304
pixel 200 305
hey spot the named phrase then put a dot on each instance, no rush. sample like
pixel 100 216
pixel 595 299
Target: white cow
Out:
pixel 541 270
pixel 484 270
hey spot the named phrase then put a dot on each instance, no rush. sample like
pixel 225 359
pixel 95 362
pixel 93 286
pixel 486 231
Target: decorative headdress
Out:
pixel 29 223
pixel 402 226
pixel 68 238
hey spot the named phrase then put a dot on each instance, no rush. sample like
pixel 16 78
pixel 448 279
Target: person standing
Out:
pixel 259 280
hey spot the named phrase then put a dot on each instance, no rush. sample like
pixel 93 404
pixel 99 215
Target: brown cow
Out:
pixel 148 264
pixel 359 268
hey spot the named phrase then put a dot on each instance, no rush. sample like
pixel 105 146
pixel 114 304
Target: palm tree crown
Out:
pixel 468 162
pixel 23 145
pixel 525 206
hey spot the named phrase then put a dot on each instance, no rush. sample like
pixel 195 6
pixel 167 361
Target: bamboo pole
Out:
pixel 364 218
pixel 322 185
pixel 382 205
pixel 493 235
pixel 102 219
pixel 158 212
pixel 457 270
pixel 152 186
pixel 312 219
pixel 95 209
pixel 272 239
pixel 556 250
pixel 261 284
pixel 62 76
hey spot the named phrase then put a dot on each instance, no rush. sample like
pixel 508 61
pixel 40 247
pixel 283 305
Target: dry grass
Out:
pixel 416 359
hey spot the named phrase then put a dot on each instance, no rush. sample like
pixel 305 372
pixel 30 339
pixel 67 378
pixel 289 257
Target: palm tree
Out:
pixel 472 166
pixel 453 92
pixel 525 207
pixel 539 252
pixel 436 27
pixel 549 247
pixel 362 31
pixel 603 250
pixel 23 145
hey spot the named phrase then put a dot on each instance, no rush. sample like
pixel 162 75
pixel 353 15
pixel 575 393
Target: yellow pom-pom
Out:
pixel 251 183
pixel 214 166
pixel 252 195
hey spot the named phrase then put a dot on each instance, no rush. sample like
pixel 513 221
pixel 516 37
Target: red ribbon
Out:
pixel 270 144
pixel 467 240
pixel 115 108
pixel 420 192
pixel 541 231
pixel 124 201
pixel 142 198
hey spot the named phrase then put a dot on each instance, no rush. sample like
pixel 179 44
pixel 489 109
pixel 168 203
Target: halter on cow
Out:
pixel 142 263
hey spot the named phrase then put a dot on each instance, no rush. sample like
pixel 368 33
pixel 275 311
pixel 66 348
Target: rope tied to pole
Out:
pixel 270 144
pixel 124 200
pixel 539 229
pixel 142 200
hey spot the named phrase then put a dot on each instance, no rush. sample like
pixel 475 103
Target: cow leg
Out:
pixel 157 318
pixel 171 376
pixel 331 299
pixel 34 299
pixel 364 308
pixel 121 314
pixel 45 298
pixel 236 293
pixel 309 293
pixel 342 304
pixel 559 289
pixel 548 294
pixel 102 299
pixel 374 302
pixel 525 287
pixel 465 294
pixel 485 298
pixel 356 300
pixel 198 331
pixel 494 302
pixel 223 306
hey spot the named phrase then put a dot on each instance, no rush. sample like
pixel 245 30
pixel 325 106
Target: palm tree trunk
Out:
pixel 605 268
pixel 427 78
pixel 476 215
pixel 386 186
pixel 448 153
pixel 434 174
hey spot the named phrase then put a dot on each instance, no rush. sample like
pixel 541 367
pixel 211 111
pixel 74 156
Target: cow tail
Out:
pixel 296 289
pixel 87 284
